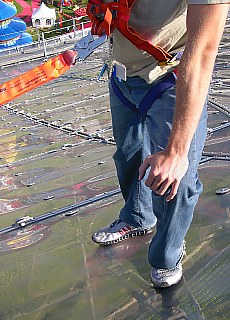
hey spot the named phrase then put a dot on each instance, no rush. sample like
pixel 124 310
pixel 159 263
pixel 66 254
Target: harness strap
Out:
pixel 107 17
pixel 156 92
pixel 121 96
pixel 51 69
pixel 150 97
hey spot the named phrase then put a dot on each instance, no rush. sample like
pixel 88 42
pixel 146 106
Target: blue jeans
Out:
pixel 135 139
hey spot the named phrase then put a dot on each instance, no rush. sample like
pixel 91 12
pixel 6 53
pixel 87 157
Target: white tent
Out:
pixel 43 17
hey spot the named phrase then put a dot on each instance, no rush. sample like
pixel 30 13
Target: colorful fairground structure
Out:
pixel 12 30
pixel 43 17
pixel 77 12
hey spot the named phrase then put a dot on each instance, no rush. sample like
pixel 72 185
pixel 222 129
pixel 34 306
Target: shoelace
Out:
pixel 114 223
pixel 166 271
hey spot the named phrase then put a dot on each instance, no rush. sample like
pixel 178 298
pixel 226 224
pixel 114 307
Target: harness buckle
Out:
pixel 85 46
pixel 171 62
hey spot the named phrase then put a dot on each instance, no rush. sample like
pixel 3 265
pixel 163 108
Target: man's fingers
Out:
pixel 173 192
pixel 163 188
pixel 153 182
pixel 165 173
pixel 143 169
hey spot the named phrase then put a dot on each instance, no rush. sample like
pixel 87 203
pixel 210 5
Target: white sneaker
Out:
pixel 118 231
pixel 162 278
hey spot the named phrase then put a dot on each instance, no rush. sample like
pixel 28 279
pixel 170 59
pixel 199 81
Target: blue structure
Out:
pixel 12 29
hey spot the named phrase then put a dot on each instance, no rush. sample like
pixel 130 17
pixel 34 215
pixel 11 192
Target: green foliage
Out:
pixel 18 7
pixel 83 3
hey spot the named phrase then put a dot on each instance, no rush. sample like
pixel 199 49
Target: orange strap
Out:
pixel 101 16
pixel 49 70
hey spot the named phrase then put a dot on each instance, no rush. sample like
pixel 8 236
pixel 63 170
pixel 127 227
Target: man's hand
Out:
pixel 166 172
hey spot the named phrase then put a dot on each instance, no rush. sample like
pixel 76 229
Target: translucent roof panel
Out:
pixel 56 146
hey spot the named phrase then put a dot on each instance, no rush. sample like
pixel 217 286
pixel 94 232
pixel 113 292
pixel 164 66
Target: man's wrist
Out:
pixel 177 148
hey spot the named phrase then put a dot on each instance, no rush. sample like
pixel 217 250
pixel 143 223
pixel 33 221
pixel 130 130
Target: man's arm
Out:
pixel 205 25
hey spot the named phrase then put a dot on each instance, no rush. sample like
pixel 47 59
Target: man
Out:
pixel 165 144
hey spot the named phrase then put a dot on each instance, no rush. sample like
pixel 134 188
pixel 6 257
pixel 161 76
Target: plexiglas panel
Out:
pixel 56 163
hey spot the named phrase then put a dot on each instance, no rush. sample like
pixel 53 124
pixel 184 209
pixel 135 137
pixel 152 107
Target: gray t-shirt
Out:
pixel 163 23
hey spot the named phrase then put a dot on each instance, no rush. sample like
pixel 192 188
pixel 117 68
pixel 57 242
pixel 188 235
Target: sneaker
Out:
pixel 118 231
pixel 162 278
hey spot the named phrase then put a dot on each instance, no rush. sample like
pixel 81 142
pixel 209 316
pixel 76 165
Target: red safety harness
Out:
pixel 105 17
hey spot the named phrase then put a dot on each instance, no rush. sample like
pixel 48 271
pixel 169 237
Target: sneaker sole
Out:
pixel 125 237
pixel 164 284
